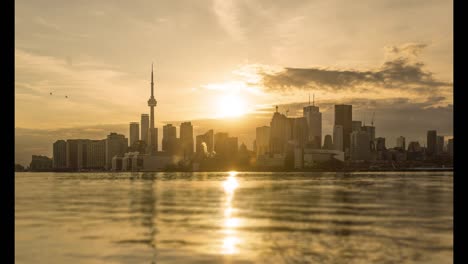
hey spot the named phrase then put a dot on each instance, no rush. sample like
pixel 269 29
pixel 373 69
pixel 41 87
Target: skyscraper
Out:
pixel 152 141
pixel 144 127
pixel 116 145
pixel 262 140
pixel 360 145
pixel 431 143
pixel 344 118
pixel 440 144
pixel 96 154
pixel 400 143
pixel 356 126
pixel 338 137
pixel 280 133
pixel 314 124
pixel 450 147
pixel 300 132
pixel 204 143
pixel 169 138
pixel 134 132
pixel 60 154
pixel 380 144
pixel 327 142
pixel 186 139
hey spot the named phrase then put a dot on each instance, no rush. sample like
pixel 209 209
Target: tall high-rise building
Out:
pixel 144 127
pixel 338 137
pixel 225 146
pixel 72 154
pixel 262 140
pixel 450 147
pixel 344 117
pixel 116 145
pixel 440 144
pixel 220 140
pixel 60 154
pixel 360 145
pixel 205 143
pixel 169 139
pixel 314 124
pixel 431 143
pixel 356 126
pixel 400 143
pixel 280 133
pixel 370 130
pixel 380 144
pixel 134 132
pixel 186 139
pixel 300 132
pixel 328 142
pixel 153 138
pixel 96 154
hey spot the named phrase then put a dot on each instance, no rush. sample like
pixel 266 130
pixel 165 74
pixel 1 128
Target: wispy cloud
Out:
pixel 226 12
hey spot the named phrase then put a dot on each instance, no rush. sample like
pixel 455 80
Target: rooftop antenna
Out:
pixel 276 109
pixel 313 99
pixel 309 99
pixel 372 121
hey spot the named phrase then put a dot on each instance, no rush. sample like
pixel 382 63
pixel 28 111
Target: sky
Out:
pixel 225 64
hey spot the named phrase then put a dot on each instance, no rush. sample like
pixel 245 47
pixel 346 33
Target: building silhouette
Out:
pixel 440 145
pixel 153 134
pixel 134 132
pixel 169 139
pixel 280 133
pixel 144 127
pixel 328 143
pixel 116 145
pixel 450 147
pixel 262 140
pixel 360 145
pixel 344 117
pixel 205 143
pixel 431 143
pixel 400 143
pixel 60 154
pixel 186 139
pixel 96 154
pixel 356 126
pixel 300 133
pixel 314 124
pixel 40 163
pixel 380 144
pixel 338 137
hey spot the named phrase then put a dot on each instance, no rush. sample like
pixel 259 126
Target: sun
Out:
pixel 231 105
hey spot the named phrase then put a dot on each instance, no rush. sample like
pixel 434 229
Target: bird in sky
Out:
pixel 66 96
pixel 50 93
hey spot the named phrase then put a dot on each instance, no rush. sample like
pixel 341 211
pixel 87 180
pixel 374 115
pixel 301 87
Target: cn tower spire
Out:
pixel 152 82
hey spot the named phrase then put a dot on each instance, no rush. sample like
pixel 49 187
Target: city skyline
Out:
pixel 105 92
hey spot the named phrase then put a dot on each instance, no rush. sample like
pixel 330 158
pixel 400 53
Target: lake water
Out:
pixel 227 217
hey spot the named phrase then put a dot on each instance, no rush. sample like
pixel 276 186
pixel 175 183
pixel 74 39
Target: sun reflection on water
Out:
pixel 230 223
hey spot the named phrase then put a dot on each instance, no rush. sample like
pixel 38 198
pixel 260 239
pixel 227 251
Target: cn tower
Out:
pixel 152 103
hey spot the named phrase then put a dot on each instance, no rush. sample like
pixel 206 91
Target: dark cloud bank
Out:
pixel 401 70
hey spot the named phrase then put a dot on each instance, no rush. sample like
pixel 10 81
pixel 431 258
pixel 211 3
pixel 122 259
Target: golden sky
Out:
pixel 223 58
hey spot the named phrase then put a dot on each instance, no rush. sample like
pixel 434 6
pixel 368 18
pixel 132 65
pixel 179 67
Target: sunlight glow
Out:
pixel 230 223
pixel 231 105
pixel 229 245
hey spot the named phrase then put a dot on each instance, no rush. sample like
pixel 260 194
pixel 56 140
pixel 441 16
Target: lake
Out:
pixel 230 217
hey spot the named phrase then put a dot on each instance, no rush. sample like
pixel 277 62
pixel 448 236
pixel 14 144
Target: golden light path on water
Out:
pixel 230 223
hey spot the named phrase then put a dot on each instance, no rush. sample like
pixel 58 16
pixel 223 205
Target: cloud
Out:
pixel 226 13
pixel 400 71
